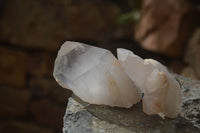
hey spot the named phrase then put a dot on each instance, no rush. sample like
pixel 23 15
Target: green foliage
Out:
pixel 130 17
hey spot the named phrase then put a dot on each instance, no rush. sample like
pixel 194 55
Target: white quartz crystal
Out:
pixel 94 75
pixel 162 94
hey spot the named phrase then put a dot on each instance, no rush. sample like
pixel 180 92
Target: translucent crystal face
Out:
pixel 95 75
pixel 162 92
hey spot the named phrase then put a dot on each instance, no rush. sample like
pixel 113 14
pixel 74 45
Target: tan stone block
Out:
pixel 192 53
pixel 12 67
pixel 46 25
pixel 189 72
pixel 41 87
pixel 47 113
pixel 40 64
pixel 14 102
pixel 22 127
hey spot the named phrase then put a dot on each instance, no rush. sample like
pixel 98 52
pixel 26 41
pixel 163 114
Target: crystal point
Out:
pixel 94 75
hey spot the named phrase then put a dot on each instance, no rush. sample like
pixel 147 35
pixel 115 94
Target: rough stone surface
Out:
pixel 82 117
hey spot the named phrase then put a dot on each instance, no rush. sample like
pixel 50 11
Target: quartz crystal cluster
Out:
pixel 162 93
pixel 97 77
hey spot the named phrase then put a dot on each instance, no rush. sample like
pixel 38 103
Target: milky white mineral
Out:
pixel 162 94
pixel 94 75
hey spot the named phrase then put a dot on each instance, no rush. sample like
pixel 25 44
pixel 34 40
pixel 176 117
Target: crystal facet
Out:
pixel 94 75
pixel 162 94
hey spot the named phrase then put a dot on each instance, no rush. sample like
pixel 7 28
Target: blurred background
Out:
pixel 32 31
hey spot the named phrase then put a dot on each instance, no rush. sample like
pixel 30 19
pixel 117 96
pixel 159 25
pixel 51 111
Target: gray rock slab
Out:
pixel 81 117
